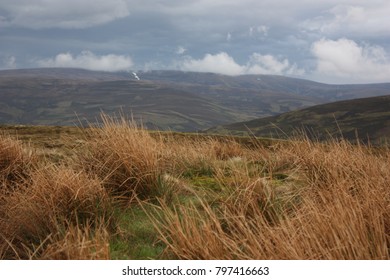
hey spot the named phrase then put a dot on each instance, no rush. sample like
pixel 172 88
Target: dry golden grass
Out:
pixel 124 156
pixel 207 197
pixel 15 160
pixel 52 201
pixel 337 208
pixel 79 242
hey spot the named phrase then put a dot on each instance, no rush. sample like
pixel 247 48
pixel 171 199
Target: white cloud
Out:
pixel 88 60
pixel 180 50
pixel 61 13
pixel 345 60
pixel 268 64
pixel 224 64
pixel 9 62
pixel 220 63
pixel 229 37
pixel 368 19
pixel 261 30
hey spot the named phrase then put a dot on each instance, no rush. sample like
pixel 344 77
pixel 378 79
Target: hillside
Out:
pixel 167 100
pixel 272 83
pixel 369 118
pixel 68 96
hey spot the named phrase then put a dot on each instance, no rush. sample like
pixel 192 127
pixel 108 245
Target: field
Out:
pixel 121 192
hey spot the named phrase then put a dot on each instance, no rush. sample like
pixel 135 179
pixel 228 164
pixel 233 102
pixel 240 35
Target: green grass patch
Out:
pixel 136 238
pixel 206 183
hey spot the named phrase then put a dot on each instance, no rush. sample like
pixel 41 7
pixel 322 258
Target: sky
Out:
pixel 343 41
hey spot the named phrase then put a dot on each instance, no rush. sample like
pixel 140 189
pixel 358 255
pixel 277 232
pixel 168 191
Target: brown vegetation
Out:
pixel 201 198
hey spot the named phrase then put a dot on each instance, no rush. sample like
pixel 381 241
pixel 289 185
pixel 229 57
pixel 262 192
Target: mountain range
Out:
pixel 174 100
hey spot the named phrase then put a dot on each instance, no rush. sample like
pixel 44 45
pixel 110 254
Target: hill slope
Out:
pixel 182 101
pixel 369 118
pixel 272 83
pixel 65 102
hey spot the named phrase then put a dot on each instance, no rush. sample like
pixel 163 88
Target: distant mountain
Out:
pixel 63 74
pixel 183 101
pixel 53 101
pixel 272 83
pixel 367 118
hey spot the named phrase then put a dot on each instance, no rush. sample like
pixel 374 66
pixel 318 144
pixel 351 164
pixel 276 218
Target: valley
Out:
pixel 162 100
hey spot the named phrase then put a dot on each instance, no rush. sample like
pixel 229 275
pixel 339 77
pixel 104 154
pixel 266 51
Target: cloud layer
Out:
pixel 90 61
pixel 356 19
pixel 220 63
pixel 223 63
pixel 338 41
pixel 8 62
pixel 61 14
pixel 344 59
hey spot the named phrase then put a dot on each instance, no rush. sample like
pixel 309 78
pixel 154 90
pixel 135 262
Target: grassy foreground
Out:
pixel 121 192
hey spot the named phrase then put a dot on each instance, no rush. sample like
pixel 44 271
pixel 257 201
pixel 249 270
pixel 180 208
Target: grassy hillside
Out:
pixel 320 92
pixel 367 118
pixel 121 192
pixel 169 100
pixel 67 102
pixel 66 96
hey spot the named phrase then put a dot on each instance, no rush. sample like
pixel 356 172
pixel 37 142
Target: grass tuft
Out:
pixel 53 201
pixel 124 156
pixel 15 161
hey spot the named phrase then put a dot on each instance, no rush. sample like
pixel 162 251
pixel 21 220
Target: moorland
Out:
pixel 183 165
pixel 119 191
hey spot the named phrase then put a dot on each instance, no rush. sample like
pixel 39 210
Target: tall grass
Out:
pixel 124 156
pixel 337 208
pixel 15 161
pixel 131 161
pixel 79 242
pixel 52 202
pixel 205 197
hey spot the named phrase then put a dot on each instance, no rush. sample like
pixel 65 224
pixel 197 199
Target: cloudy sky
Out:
pixel 343 41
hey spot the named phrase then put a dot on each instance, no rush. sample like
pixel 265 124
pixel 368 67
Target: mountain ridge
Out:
pixel 367 119
pixel 162 99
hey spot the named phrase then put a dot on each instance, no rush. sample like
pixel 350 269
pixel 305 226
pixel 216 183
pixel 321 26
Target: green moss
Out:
pixel 199 170
pixel 206 183
pixel 137 238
